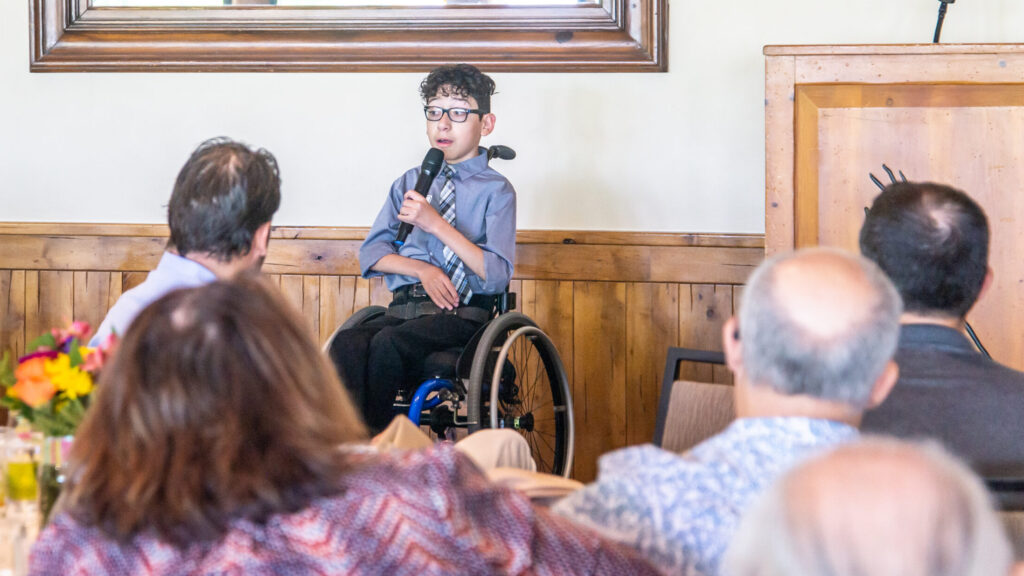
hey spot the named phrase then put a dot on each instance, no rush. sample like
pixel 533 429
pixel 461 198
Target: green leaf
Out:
pixel 75 354
pixel 46 340
pixel 7 378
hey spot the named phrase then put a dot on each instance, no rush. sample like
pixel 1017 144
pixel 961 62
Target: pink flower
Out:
pixel 97 357
pixel 77 329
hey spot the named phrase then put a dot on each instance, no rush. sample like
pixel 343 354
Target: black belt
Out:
pixel 411 301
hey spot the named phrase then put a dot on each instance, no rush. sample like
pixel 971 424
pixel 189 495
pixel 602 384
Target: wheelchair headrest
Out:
pixel 499 151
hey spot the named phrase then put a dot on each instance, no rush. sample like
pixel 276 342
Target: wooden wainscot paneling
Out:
pixel 612 302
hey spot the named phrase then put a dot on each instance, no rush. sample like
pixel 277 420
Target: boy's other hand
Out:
pixel 418 212
pixel 438 286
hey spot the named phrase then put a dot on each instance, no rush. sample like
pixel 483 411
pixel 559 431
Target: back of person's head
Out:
pixel 879 507
pixel 217 405
pixel 461 81
pixel 819 322
pixel 223 194
pixel 932 241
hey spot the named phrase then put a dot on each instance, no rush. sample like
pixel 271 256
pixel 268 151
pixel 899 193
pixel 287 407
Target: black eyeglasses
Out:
pixel 457 115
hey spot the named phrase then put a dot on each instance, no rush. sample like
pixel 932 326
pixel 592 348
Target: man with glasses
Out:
pixel 458 259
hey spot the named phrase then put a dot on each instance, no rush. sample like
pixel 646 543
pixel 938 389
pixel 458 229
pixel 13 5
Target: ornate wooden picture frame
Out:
pixel 598 36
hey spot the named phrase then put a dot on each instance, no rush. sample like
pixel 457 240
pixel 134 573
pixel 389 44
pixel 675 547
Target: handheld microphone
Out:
pixel 499 151
pixel 428 171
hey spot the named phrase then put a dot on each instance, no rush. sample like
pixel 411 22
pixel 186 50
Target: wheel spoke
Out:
pixel 542 439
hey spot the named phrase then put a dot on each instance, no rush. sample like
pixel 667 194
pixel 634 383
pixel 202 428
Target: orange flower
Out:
pixel 33 387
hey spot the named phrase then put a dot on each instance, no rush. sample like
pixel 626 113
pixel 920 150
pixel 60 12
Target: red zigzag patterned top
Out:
pixel 422 513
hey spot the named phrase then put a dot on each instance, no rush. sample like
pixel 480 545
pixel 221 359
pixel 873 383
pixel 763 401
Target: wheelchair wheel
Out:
pixel 528 393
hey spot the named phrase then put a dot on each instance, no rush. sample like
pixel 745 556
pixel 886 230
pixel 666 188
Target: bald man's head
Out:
pixel 821 323
pixel 879 507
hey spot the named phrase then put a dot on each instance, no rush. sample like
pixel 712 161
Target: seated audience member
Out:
pixel 932 241
pixel 878 508
pixel 811 349
pixel 219 215
pixel 221 442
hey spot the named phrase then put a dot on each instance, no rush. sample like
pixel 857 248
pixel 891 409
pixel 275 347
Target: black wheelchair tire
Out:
pixel 518 337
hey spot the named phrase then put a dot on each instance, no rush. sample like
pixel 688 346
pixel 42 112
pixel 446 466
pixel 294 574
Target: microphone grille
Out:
pixel 432 161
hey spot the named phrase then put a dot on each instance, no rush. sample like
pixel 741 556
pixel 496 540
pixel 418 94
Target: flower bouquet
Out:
pixel 50 386
pixel 49 389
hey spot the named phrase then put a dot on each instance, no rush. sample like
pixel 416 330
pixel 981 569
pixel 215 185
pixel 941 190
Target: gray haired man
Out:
pixel 811 349
pixel 880 507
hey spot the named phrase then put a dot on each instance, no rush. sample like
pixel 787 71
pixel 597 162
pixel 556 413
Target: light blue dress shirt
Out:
pixel 173 272
pixel 485 213
pixel 681 511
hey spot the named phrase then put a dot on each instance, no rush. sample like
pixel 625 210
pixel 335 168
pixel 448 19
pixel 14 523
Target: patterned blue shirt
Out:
pixel 680 511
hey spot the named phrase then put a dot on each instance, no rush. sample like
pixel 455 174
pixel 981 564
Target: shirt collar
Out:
pixel 771 425
pixel 934 336
pixel 471 167
pixel 176 266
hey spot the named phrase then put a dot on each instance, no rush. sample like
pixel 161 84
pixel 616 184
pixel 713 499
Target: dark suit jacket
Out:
pixel 948 391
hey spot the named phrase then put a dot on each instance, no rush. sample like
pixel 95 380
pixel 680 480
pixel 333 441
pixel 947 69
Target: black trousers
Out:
pixel 377 359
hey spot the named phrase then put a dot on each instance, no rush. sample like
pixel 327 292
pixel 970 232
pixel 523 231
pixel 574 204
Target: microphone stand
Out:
pixel 942 18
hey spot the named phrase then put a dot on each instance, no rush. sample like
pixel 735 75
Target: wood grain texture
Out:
pixel 779 156
pixel 550 305
pixel 337 302
pixel 611 334
pixel 652 322
pixel 12 314
pixel 599 367
pixel 636 263
pixel 701 317
pixel 50 301
pixel 130 280
pixel 92 296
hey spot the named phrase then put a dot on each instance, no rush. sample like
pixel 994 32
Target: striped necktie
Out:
pixel 453 265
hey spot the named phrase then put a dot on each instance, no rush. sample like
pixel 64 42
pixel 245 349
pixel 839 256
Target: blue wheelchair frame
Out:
pixel 422 400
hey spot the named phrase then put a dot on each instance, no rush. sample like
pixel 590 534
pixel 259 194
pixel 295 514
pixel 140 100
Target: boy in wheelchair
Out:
pixel 449 274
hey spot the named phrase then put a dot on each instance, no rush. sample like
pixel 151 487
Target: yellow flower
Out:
pixel 71 381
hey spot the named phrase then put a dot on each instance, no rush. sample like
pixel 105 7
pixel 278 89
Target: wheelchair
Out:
pixel 509 375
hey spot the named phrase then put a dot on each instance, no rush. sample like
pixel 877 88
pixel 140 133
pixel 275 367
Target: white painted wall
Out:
pixel 681 151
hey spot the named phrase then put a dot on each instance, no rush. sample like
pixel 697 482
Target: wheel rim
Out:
pixel 527 401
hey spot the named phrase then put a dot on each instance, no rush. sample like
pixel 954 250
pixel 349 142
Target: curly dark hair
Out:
pixel 223 194
pixel 461 80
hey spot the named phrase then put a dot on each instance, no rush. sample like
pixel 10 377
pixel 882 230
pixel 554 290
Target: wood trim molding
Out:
pixel 541 255
pixel 811 99
pixel 625 238
pixel 891 49
pixel 596 36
